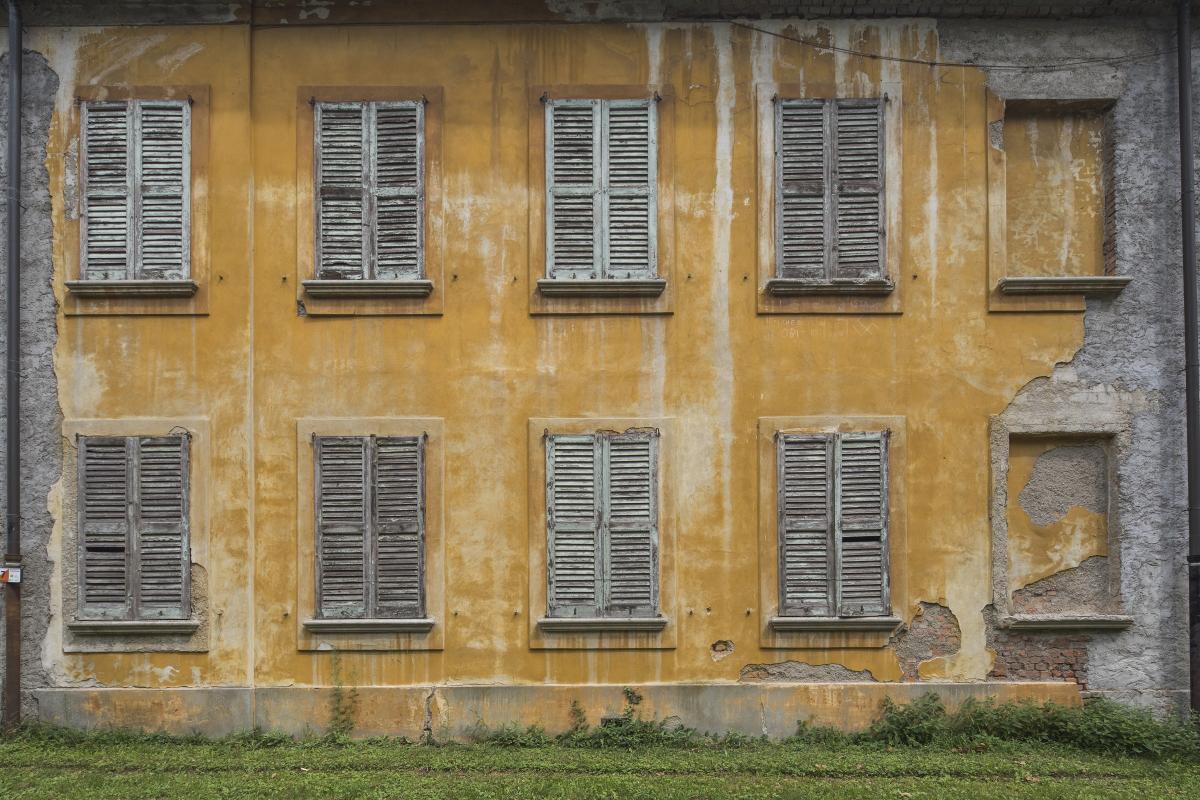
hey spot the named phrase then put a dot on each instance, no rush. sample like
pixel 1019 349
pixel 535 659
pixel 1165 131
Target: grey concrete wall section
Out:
pixel 41 423
pixel 1133 345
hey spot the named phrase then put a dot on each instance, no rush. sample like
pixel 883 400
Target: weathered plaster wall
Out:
pixel 253 366
pixel 1131 357
pixel 41 457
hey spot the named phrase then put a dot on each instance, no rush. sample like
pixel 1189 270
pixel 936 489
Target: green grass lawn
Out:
pixel 101 767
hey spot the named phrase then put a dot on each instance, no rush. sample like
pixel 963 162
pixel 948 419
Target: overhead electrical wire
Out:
pixel 1047 67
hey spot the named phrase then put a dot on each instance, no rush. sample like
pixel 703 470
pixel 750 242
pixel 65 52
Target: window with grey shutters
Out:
pixel 370 508
pixel 602 517
pixel 136 188
pixel 601 190
pixel 829 195
pixel 134 562
pixel 833 522
pixel 370 192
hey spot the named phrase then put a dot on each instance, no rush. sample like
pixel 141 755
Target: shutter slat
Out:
pixel 859 167
pixel 573 160
pixel 163 170
pixel 631 524
pixel 805 498
pixel 107 245
pixel 398 238
pixel 104 526
pixel 572 516
pixel 163 558
pixel 862 523
pixel 340 206
pixel 341 525
pixel 399 512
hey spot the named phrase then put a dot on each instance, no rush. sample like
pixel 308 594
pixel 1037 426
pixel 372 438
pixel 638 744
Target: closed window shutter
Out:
pixel 805 524
pixel 573 515
pixel 802 226
pixel 399 526
pixel 162 527
pixel 630 188
pixel 632 518
pixel 858 170
pixel 104 514
pixel 342 190
pixel 163 170
pixel 342 465
pixel 398 174
pixel 573 181
pixel 861 523
pixel 108 198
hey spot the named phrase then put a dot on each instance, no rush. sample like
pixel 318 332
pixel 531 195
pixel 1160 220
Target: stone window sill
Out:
pixel 599 624
pixel 368 625
pixel 134 627
pixel 1066 622
pixel 650 287
pixel 819 624
pixel 132 288
pixel 1066 284
pixel 363 288
pixel 793 287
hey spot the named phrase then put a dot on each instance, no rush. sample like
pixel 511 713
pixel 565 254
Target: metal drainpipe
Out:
pixel 12 389
pixel 1190 333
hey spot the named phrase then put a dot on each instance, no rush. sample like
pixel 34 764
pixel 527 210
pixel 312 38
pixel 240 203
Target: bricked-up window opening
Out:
pixel 134 562
pixel 601 189
pixel 370 509
pixel 136 177
pixel 829 195
pixel 602 524
pixel 833 523
pixel 370 198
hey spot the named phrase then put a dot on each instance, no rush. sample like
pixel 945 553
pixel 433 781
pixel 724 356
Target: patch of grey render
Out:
pixel 1063 478
pixel 1132 355
pixel 933 633
pixel 41 421
pixel 1081 590
pixel 800 672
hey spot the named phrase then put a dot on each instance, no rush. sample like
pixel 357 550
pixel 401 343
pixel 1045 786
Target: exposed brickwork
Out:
pixel 933 633
pixel 1040 657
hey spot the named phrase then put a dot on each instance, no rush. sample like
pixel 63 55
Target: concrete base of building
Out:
pixel 457 712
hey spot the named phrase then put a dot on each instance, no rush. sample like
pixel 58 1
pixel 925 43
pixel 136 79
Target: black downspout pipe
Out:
pixel 12 388
pixel 1191 343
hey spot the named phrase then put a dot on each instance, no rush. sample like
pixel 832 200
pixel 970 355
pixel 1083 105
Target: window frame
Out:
pixel 369 191
pixel 371 606
pixel 132 612
pixel 791 296
pixel 605 609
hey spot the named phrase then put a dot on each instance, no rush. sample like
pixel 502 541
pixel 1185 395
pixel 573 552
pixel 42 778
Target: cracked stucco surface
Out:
pixel 1132 353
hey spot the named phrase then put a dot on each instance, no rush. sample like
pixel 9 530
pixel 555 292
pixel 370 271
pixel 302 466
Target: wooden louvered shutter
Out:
pixel 802 197
pixel 162 133
pixel 342 190
pixel 161 542
pixel 573 183
pixel 630 189
pixel 858 175
pixel 108 197
pixel 805 524
pixel 104 523
pixel 573 516
pixel 861 523
pixel 342 466
pixel 398 180
pixel 399 526
pixel 631 525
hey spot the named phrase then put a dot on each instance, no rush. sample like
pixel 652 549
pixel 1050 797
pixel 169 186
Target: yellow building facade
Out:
pixel 254 366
